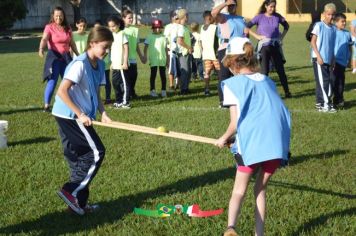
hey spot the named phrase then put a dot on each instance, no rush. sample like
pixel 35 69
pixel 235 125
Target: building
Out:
pixel 294 10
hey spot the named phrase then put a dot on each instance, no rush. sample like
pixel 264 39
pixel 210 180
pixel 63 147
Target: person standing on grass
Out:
pixel 57 36
pixel 323 44
pixel 197 62
pixel 170 32
pixel 77 101
pixel 131 33
pixel 107 71
pixel 342 53
pixel 185 51
pixel 80 37
pixel 209 47
pixel 156 45
pixel 353 33
pixel 119 63
pixel 270 40
pixel 230 25
pixel 261 124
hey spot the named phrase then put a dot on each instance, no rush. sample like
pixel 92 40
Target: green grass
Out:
pixel 315 195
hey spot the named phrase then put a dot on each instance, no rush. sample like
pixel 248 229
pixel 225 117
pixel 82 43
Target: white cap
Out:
pixel 236 46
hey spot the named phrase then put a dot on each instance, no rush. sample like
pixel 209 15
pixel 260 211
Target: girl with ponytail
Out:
pixel 260 123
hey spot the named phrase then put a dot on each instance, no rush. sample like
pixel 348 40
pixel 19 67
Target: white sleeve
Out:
pixel 75 72
pixel 180 31
pixel 316 30
pixel 229 97
pixel 124 39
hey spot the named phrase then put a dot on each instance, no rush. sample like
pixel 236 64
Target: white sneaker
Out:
pixel 153 93
pixel 164 93
pixel 126 106
pixel 117 105
pixel 354 71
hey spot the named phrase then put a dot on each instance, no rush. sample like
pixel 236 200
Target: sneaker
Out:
pixel 327 109
pixel 288 95
pixel 47 109
pixel 207 92
pixel 87 209
pixel 230 232
pixel 354 71
pixel 164 93
pixel 153 93
pixel 318 106
pixel 340 105
pixel 126 106
pixel 117 105
pixel 71 201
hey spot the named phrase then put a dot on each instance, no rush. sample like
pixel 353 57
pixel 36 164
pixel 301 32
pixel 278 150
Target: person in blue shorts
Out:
pixel 261 124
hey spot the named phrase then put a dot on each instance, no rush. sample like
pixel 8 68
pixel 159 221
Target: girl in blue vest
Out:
pixel 76 104
pixel 260 122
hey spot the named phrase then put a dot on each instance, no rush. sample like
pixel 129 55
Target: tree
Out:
pixel 11 11
pixel 76 9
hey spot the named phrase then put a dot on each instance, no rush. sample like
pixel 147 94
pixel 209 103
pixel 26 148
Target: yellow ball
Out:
pixel 162 129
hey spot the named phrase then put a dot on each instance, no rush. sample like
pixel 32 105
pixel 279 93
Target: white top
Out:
pixel 207 40
pixel 117 55
pixel 197 50
pixel 171 33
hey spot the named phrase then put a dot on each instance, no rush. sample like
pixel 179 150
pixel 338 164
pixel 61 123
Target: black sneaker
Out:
pixel 207 92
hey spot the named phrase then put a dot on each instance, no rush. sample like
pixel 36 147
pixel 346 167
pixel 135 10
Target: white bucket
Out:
pixel 3 129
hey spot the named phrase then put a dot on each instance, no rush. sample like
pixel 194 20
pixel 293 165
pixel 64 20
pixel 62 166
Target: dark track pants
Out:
pixel 274 53
pixel 224 73
pixel 121 86
pixel 84 153
pixel 338 81
pixel 323 83
pixel 132 78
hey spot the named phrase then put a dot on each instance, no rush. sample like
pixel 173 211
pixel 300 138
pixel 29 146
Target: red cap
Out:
pixel 156 23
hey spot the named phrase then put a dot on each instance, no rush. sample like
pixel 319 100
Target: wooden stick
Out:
pixel 149 130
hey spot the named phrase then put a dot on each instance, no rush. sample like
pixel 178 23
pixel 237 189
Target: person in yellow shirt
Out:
pixel 80 37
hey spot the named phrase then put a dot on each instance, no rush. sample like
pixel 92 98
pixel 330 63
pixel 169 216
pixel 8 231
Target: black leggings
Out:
pixel 268 52
pixel 162 73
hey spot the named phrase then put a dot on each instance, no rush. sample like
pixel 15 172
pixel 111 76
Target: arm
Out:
pixel 216 10
pixel 255 35
pixel 63 94
pixel 315 49
pixel 145 54
pixel 138 50
pixel 231 129
pixel 180 42
pixel 353 30
pixel 125 64
pixel 285 28
pixel 74 47
pixel 43 44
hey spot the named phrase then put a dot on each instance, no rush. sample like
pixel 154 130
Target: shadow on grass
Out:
pixel 322 220
pixel 294 68
pixel 299 159
pixel 112 211
pixel 12 111
pixel 32 141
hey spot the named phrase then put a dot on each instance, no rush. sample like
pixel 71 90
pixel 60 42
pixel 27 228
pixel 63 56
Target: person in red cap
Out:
pixel 156 45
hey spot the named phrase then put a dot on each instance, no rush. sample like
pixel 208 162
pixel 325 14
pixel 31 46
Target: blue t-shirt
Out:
pixel 86 81
pixel 325 41
pixel 342 47
pixel 230 26
pixel 264 123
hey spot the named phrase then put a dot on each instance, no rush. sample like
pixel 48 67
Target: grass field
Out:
pixel 315 195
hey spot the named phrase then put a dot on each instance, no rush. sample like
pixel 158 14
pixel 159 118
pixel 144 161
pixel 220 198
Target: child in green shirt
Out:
pixel 80 37
pixel 156 44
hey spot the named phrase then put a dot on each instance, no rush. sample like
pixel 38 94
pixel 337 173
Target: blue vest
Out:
pixel 326 41
pixel 92 79
pixel 263 127
pixel 342 47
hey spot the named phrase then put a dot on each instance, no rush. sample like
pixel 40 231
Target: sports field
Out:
pixel 315 195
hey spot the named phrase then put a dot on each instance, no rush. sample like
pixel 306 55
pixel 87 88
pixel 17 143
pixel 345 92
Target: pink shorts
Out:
pixel 267 166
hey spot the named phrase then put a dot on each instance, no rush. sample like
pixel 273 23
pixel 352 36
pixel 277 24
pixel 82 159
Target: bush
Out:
pixel 11 11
